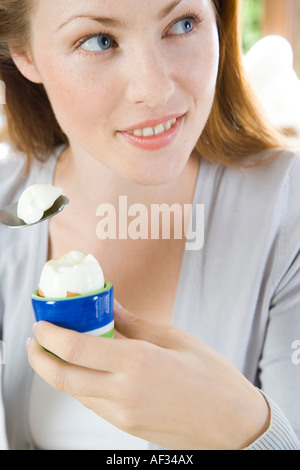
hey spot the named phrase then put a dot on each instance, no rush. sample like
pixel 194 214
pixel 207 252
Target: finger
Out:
pixel 69 378
pixel 132 326
pixel 84 350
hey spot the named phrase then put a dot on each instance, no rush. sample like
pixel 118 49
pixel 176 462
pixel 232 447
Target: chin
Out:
pixel 152 168
pixel 155 176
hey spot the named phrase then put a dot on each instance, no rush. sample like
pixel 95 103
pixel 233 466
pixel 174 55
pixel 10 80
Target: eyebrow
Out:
pixel 113 22
pixel 167 10
pixel 103 20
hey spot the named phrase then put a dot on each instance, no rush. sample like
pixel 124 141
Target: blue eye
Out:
pixel 183 26
pixel 100 42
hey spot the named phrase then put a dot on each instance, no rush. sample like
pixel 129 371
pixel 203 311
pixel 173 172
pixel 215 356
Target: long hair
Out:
pixel 30 122
pixel 235 128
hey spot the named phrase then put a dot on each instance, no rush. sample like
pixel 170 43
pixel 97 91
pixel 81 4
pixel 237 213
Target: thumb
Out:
pixel 135 327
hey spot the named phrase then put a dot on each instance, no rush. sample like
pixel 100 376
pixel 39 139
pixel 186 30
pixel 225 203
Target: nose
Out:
pixel 149 79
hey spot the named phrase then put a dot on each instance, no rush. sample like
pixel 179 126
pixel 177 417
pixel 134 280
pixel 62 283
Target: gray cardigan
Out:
pixel 240 293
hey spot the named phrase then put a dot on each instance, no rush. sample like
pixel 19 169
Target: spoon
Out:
pixel 8 215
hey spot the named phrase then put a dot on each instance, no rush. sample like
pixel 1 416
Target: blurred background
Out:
pixel 267 17
pixel 271 46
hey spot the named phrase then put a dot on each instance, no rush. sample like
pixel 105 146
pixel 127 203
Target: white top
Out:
pixel 240 294
pixel 59 422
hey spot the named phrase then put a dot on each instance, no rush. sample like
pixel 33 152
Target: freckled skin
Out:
pixel 94 96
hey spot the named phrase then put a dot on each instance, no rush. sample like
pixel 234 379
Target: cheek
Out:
pixel 77 96
pixel 204 71
pixel 199 64
pixel 199 81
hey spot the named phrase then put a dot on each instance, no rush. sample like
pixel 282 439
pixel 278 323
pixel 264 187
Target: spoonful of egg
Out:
pixel 37 203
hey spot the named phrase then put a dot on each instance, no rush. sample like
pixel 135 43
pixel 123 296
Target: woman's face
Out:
pixel 131 82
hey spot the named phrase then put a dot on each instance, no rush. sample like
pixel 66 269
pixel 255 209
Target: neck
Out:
pixel 92 183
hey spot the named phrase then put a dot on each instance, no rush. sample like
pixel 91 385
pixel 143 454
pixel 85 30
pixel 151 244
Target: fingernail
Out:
pixel 28 343
pixel 34 326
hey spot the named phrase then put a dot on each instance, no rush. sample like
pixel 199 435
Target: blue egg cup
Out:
pixel 83 313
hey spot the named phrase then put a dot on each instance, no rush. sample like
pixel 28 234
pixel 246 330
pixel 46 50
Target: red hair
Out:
pixel 236 126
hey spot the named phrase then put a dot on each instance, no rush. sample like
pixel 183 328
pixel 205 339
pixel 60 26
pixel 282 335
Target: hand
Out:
pixel 158 383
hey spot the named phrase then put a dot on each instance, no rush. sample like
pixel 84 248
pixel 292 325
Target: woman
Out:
pixel 148 100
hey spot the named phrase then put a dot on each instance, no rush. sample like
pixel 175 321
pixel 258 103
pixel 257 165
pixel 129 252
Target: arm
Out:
pixel 279 372
pixel 279 369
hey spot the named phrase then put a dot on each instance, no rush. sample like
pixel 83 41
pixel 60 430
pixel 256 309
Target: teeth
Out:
pixel 159 129
pixel 151 131
pixel 148 132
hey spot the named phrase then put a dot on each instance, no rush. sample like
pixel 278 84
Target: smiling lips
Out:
pixel 153 136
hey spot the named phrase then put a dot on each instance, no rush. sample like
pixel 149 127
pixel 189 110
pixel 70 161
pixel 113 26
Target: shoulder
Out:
pixel 278 165
pixel 277 182
pixel 268 178
pixel 258 206
pixel 273 190
pixel 269 170
pixel 265 182
pixel 12 173
pixel 10 159
pixel 15 175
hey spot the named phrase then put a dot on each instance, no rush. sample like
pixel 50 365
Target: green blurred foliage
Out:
pixel 252 13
